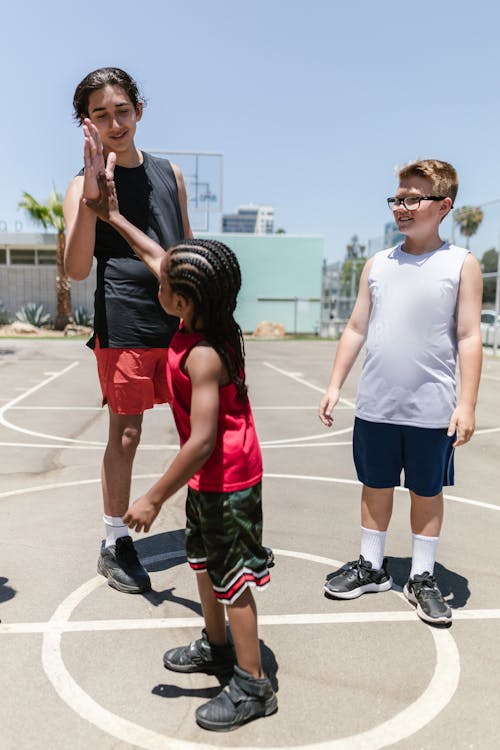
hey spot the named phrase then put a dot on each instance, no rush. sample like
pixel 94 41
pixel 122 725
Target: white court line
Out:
pixel 161 408
pixel 85 446
pixel 57 408
pixel 287 441
pixel 335 480
pixel 304 382
pixel 487 430
pixel 435 697
pixel 27 393
pixel 35 388
pixel 168 623
pixel 307 445
pixel 172 447
pixel 99 444
pixel 332 480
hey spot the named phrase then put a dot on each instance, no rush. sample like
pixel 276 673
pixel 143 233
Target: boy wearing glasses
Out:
pixel 418 306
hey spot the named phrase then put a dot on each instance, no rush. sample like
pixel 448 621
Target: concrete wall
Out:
pixel 22 284
pixel 281 281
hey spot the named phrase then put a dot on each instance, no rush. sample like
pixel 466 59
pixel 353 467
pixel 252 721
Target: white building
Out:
pixel 250 219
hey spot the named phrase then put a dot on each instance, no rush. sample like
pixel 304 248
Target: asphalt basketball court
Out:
pixel 82 663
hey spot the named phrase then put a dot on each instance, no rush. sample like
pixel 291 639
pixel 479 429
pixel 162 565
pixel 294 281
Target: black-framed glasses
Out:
pixel 412 202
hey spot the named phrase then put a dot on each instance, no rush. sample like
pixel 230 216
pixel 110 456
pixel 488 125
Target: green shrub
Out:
pixel 33 314
pixel 4 315
pixel 82 316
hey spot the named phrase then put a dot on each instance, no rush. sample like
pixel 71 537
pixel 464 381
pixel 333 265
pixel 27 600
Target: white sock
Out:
pixel 424 551
pixel 372 546
pixel 115 528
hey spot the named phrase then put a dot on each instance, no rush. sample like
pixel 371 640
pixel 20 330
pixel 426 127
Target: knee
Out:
pixel 131 437
pixel 125 441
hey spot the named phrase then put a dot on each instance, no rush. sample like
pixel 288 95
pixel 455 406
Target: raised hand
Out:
pixel 93 159
pixel 107 202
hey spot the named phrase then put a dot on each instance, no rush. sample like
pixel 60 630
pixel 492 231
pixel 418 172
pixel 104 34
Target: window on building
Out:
pixel 22 257
pixel 3 256
pixel 46 257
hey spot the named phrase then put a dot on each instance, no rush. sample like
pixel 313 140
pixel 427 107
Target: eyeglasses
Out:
pixel 412 202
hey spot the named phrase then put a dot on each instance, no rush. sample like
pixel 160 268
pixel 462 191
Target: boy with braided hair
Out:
pixel 219 458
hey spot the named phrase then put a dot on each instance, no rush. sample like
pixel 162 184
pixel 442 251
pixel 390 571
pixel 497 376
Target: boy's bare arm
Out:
pixel 205 371
pixel 470 349
pixel 107 209
pixel 80 232
pixel 80 220
pixel 349 347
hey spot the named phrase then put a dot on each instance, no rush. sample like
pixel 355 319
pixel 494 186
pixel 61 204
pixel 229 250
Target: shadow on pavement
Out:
pixel 269 665
pixel 6 592
pixel 454 587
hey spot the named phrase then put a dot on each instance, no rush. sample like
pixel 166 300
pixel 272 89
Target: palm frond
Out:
pixel 35 210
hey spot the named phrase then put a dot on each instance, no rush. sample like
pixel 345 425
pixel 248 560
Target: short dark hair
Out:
pixel 97 80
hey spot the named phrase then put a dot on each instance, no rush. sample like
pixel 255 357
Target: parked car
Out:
pixel 488 318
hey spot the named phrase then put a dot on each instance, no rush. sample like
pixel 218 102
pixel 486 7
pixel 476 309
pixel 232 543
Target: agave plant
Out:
pixel 33 314
pixel 4 315
pixel 82 316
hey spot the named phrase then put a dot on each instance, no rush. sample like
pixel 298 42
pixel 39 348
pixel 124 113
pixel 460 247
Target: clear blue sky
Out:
pixel 311 103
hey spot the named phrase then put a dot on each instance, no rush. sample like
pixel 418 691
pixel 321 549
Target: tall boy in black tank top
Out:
pixel 131 331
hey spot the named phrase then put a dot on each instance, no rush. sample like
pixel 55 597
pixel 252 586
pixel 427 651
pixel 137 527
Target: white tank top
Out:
pixel 408 375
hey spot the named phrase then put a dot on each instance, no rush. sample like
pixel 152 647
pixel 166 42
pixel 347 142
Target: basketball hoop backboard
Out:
pixel 203 175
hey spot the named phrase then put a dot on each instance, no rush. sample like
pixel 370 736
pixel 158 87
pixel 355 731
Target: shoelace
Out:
pixel 363 569
pixel 427 588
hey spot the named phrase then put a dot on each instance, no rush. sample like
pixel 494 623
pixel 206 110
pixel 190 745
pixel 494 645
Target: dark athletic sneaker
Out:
pixel 357 578
pixel 423 591
pixel 121 566
pixel 200 656
pixel 244 699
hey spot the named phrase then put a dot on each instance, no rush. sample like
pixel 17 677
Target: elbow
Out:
pixel 75 276
pixel 204 448
pixel 75 273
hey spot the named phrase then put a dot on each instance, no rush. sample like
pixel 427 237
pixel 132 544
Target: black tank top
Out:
pixel 127 313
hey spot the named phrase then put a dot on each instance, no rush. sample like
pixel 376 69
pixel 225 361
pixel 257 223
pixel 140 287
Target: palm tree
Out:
pixel 468 219
pixel 50 214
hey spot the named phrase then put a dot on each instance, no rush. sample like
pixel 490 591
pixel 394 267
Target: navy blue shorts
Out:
pixel 381 451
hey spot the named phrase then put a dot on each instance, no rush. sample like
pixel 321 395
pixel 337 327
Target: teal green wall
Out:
pixel 277 266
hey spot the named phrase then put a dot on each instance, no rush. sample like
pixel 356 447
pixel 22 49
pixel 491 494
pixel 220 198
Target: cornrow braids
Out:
pixel 207 272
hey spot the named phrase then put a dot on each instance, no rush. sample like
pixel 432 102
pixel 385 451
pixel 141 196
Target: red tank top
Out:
pixel 236 462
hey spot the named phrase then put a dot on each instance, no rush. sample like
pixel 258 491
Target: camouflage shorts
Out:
pixel 224 537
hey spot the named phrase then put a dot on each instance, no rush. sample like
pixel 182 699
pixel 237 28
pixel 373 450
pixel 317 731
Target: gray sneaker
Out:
pixel 244 699
pixel 356 578
pixel 200 656
pixel 422 590
pixel 121 566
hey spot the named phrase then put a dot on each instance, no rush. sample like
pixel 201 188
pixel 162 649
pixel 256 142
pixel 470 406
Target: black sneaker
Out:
pixel 422 590
pixel 244 699
pixel 356 578
pixel 200 656
pixel 121 566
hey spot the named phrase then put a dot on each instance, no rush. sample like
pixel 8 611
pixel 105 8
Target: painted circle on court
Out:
pixel 417 715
